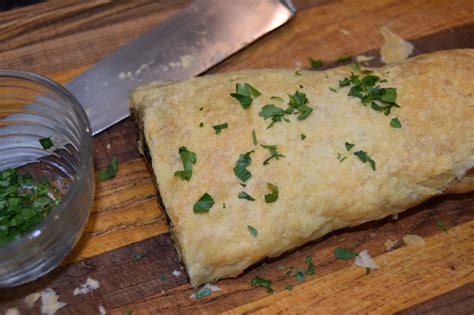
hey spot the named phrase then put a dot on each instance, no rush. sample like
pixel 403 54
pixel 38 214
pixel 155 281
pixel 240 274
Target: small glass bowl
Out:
pixel 33 107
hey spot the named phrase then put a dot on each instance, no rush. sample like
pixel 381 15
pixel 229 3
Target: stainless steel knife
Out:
pixel 190 42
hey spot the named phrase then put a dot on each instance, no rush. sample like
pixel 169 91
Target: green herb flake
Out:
pixel 139 256
pixel 273 196
pixel 264 283
pixel 309 262
pixel 299 275
pixel 364 157
pixel 253 231
pixel 244 93
pixel 201 293
pixel 441 226
pixel 200 109
pixel 299 102
pixel 303 136
pixel 274 154
pixel 289 287
pixel 127 313
pixel 344 59
pixel 355 66
pixel 46 143
pixel 272 111
pixel 276 98
pixel 201 124
pixel 332 89
pixel 162 277
pixel 349 146
pixel 254 137
pixel 244 195
pixel 395 123
pixel 315 64
pixel 240 169
pixel 203 204
pixel 218 128
pixel 343 253
pixel 189 158
pixel 110 171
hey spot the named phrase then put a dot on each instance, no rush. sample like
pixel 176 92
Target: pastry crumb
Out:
pixel 389 245
pixel 102 310
pixel 207 286
pixel 364 58
pixel 412 239
pixel 88 286
pixel 12 311
pixel 395 49
pixel 31 299
pixel 365 261
pixel 50 304
pixel 176 273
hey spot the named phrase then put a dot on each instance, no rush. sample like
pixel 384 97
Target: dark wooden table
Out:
pixel 60 39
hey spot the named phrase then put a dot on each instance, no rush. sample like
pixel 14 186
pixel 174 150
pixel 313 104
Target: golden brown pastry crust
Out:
pixel 318 194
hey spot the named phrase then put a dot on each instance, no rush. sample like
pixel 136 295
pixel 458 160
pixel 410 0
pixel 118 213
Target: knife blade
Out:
pixel 185 45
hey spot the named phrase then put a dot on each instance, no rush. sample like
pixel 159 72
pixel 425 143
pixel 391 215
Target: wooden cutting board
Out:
pixel 60 39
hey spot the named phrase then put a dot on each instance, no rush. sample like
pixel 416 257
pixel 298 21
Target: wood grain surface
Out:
pixel 61 39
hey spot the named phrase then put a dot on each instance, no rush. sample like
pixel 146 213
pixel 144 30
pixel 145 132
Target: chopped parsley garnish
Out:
pixel 303 136
pixel 201 293
pixel 315 64
pixel 299 101
pixel 340 157
pixel 244 93
pixel 309 262
pixel 264 283
pixel 46 143
pixel 298 72
pixel 332 89
pixel 24 203
pixel 273 196
pixel 349 146
pixel 344 58
pixel 441 226
pixel 299 275
pixel 343 253
pixel 203 204
pixel 127 313
pixel 223 205
pixel 218 128
pixel 189 158
pixel 273 153
pixel 364 157
pixel 240 169
pixel 274 112
pixel 201 124
pixel 253 231
pixel 162 277
pixel 277 98
pixel 139 256
pixel 356 66
pixel 244 195
pixel 395 123
pixel 254 137
pixel 289 287
pixel 109 171
pixel 380 99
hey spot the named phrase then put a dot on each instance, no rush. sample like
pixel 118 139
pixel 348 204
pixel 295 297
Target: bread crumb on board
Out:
pixel 50 304
pixel 88 286
pixel 364 58
pixel 389 244
pixel 395 49
pixel 102 310
pixel 31 299
pixel 365 261
pixel 12 311
pixel 413 240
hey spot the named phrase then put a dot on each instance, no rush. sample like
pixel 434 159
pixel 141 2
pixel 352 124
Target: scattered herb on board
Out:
pixel 315 64
pixel 344 59
pixel 264 283
pixel 441 226
pixel 253 231
pixel 203 204
pixel 277 98
pixel 273 196
pixel 254 137
pixel 364 157
pixel 395 123
pixel 240 169
pixel 343 253
pixel 273 153
pixel 109 171
pixel 309 262
pixel 127 313
pixel 299 275
pixel 244 195
pixel 274 112
pixel 299 102
pixel 139 256
pixel 189 158
pixel 218 128
pixel 349 146
pixel 303 136
pixel 46 143
pixel 332 89
pixel 289 287
pixel 244 93
pixel 365 88
pixel 201 293
pixel 24 203
pixel 201 124
pixel 162 277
